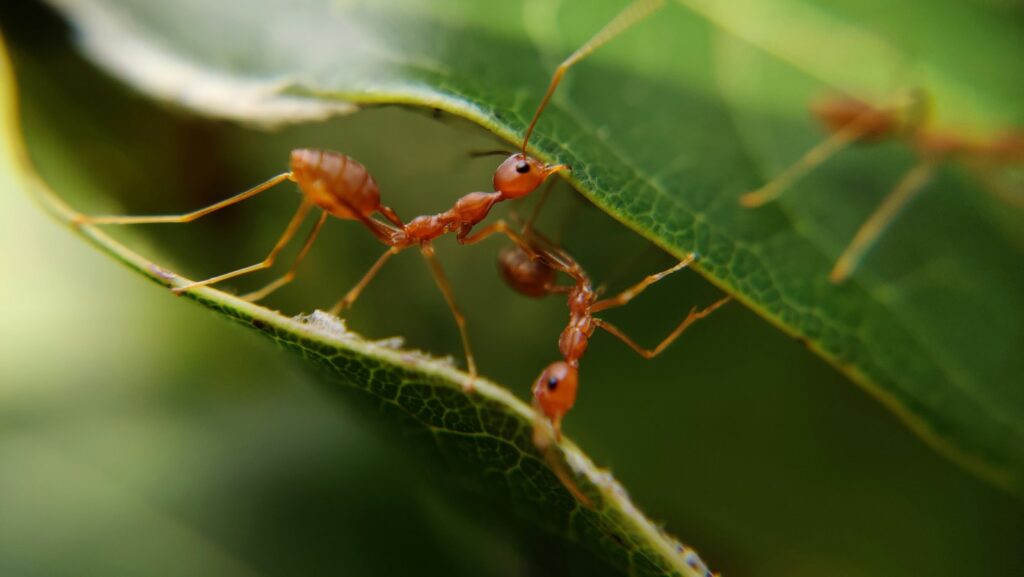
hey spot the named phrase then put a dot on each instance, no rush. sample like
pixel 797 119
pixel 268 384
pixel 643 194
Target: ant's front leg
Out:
pixel 499 227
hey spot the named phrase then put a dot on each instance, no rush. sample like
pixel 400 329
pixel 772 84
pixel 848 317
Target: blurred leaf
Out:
pixel 485 436
pixel 931 324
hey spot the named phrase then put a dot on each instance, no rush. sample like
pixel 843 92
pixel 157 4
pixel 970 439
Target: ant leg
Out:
pixel 267 262
pixel 502 227
pixel 460 320
pixel 528 225
pixel 694 316
pixel 290 275
pixel 907 188
pixel 630 293
pixel 997 190
pixel 821 152
pixel 188 216
pixel 526 228
pixel 351 296
pixel 549 254
pixel 629 16
pixel 392 216
pixel 557 463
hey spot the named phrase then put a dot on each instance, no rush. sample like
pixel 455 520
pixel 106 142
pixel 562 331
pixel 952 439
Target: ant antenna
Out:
pixel 629 16
pixel 492 152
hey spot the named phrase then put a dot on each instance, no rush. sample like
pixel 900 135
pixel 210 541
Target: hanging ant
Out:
pixel 531 270
pixel 342 187
pixel 849 121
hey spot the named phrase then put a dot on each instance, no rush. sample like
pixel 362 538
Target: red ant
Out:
pixel 342 187
pixel 531 271
pixel 849 121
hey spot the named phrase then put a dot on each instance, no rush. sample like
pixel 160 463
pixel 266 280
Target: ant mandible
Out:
pixel 342 187
pixel 531 271
pixel 849 120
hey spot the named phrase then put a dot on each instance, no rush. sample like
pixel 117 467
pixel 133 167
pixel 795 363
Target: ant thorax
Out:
pixel 575 338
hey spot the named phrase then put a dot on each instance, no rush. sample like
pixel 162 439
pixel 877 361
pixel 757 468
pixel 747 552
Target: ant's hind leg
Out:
pixel 694 316
pixel 498 227
pixel 907 188
pixel 631 293
pixel 538 247
pixel 290 275
pixel 814 157
pixel 289 232
pixel 188 216
pixel 460 320
pixel 353 293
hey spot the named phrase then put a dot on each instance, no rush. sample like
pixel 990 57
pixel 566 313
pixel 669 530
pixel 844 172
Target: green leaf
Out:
pixel 484 436
pixel 664 129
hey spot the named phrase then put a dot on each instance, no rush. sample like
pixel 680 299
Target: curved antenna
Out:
pixel 629 16
pixel 492 152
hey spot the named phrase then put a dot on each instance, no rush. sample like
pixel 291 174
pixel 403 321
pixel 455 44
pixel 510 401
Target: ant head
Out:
pixel 554 393
pixel 527 276
pixel 914 108
pixel 520 175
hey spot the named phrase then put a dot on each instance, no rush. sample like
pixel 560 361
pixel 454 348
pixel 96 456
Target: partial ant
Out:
pixel 342 187
pixel 531 270
pixel 849 120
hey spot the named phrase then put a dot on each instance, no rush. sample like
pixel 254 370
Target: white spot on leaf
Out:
pixel 111 41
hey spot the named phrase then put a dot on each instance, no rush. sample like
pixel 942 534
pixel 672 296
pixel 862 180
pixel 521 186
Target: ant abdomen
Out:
pixel 525 275
pixel 837 114
pixel 335 182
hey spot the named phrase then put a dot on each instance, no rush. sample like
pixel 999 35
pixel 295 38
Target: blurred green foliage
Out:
pixel 140 434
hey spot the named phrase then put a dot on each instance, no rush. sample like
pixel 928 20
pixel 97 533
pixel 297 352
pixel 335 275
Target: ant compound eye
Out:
pixel 552 383
pixel 522 167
